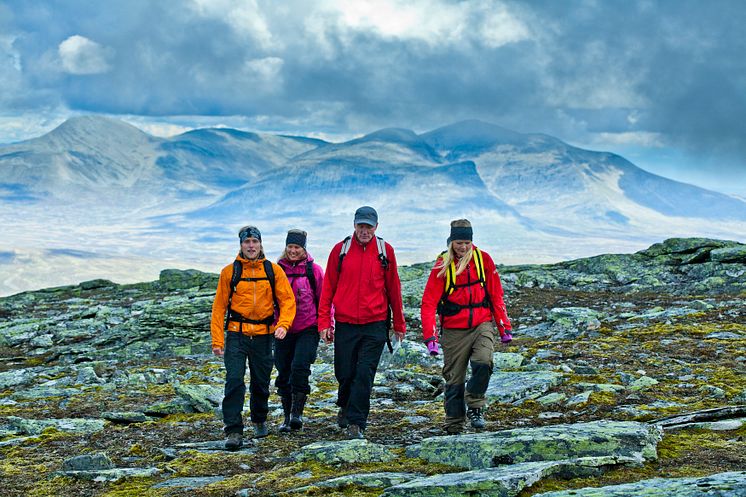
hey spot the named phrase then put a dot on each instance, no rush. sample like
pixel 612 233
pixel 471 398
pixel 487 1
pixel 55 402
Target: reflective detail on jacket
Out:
pixel 472 294
pixel 305 301
pixel 252 299
pixel 362 292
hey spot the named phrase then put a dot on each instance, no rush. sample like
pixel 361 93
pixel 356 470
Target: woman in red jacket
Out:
pixel 464 290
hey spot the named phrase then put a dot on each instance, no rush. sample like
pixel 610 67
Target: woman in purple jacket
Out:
pixel 297 351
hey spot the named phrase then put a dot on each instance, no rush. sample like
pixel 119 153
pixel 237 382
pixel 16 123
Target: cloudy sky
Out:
pixel 661 82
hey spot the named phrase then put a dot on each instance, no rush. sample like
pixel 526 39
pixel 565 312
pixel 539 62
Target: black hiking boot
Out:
pixel 260 430
pixel 354 432
pixel 286 405
pixel 342 418
pixel 296 410
pixel 234 441
pixel 476 417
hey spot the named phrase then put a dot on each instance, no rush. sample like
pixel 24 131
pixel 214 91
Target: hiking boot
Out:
pixel 476 418
pixel 260 430
pixel 506 337
pixel 454 430
pixel 296 411
pixel 234 441
pixel 342 418
pixel 286 404
pixel 355 432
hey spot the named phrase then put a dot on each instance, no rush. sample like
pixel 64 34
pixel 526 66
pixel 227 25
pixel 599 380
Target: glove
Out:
pixel 432 346
pixel 506 337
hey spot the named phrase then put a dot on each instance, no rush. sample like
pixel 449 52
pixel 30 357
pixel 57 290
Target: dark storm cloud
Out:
pixel 673 69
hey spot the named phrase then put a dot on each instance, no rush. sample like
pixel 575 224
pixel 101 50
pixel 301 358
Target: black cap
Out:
pixel 366 215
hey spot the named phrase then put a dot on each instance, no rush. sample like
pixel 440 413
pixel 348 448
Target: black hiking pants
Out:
pixel 357 350
pixel 294 355
pixel 257 351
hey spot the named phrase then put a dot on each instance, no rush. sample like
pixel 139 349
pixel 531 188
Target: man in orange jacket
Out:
pixel 248 330
pixel 361 283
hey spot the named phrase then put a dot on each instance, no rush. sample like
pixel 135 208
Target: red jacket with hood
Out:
pixel 472 293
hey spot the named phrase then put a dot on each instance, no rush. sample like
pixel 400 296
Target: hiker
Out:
pixel 249 293
pixel 362 283
pixel 297 351
pixel 464 290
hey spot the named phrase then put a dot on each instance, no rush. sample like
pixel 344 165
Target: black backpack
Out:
pixel 231 315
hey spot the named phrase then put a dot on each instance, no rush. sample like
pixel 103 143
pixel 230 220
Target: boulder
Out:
pixel 732 484
pixel 510 387
pixel 503 481
pixel 567 441
pixel 88 462
pixel 346 451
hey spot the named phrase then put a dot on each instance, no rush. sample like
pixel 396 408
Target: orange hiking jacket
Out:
pixel 252 299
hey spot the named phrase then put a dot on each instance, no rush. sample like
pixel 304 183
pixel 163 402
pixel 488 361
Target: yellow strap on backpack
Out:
pixel 451 272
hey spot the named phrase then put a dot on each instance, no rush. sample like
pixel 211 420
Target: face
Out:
pixel 461 247
pixel 251 247
pixel 365 232
pixel 295 252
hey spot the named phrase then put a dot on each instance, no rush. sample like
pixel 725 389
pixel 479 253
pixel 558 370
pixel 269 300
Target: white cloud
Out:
pixel 265 70
pixel 82 56
pixel 636 138
pixel 433 22
pixel 243 16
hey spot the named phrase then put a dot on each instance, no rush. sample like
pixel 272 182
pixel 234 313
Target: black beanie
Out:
pixel 461 233
pixel 296 237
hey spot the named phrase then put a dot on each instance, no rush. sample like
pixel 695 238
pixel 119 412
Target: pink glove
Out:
pixel 432 346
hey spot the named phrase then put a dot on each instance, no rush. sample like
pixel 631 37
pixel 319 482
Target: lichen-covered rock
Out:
pixel 732 484
pixel 548 443
pixel 88 462
pixel 69 425
pixel 507 360
pixel 203 398
pixel 503 481
pixel 111 475
pixel 346 451
pixel 175 279
pixel 369 480
pixel 128 417
pixel 509 387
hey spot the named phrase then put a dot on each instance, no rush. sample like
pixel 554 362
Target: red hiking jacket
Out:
pixel 361 293
pixel 471 294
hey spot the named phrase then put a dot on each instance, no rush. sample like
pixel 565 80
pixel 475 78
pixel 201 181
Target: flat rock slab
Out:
pixel 128 417
pixel 504 481
pixel 69 425
pixel 114 474
pixel 189 483
pixel 212 446
pixel 547 443
pixel 368 480
pixel 732 484
pixel 515 386
pixel 346 451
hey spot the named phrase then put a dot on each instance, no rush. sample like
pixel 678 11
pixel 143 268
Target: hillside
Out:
pixel 627 370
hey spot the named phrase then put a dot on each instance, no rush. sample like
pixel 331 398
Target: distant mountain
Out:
pixel 86 157
pixel 97 197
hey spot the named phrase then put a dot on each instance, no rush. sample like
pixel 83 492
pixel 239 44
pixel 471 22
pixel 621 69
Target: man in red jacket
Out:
pixel 362 283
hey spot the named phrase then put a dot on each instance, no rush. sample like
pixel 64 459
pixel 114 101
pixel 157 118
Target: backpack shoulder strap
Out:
pixel 311 280
pixel 343 252
pixel 271 277
pixel 236 276
pixel 479 263
pixel 382 252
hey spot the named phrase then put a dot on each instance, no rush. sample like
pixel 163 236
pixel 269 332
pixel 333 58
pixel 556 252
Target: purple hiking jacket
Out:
pixel 306 314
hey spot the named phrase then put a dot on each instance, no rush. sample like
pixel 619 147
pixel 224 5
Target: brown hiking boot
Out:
pixel 234 441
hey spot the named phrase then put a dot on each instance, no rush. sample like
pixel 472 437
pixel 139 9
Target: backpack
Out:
pixel 448 308
pixel 311 279
pixel 381 245
pixel 381 252
pixel 231 315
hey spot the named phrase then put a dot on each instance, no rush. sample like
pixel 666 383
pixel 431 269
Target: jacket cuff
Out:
pixel 432 338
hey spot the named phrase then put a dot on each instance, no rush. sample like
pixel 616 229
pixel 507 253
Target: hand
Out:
pixel 432 346
pixel 218 351
pixel 280 332
pixel 327 335
pixel 399 335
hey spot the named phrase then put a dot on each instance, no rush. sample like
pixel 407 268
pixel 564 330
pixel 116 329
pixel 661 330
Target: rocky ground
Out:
pixel 627 373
